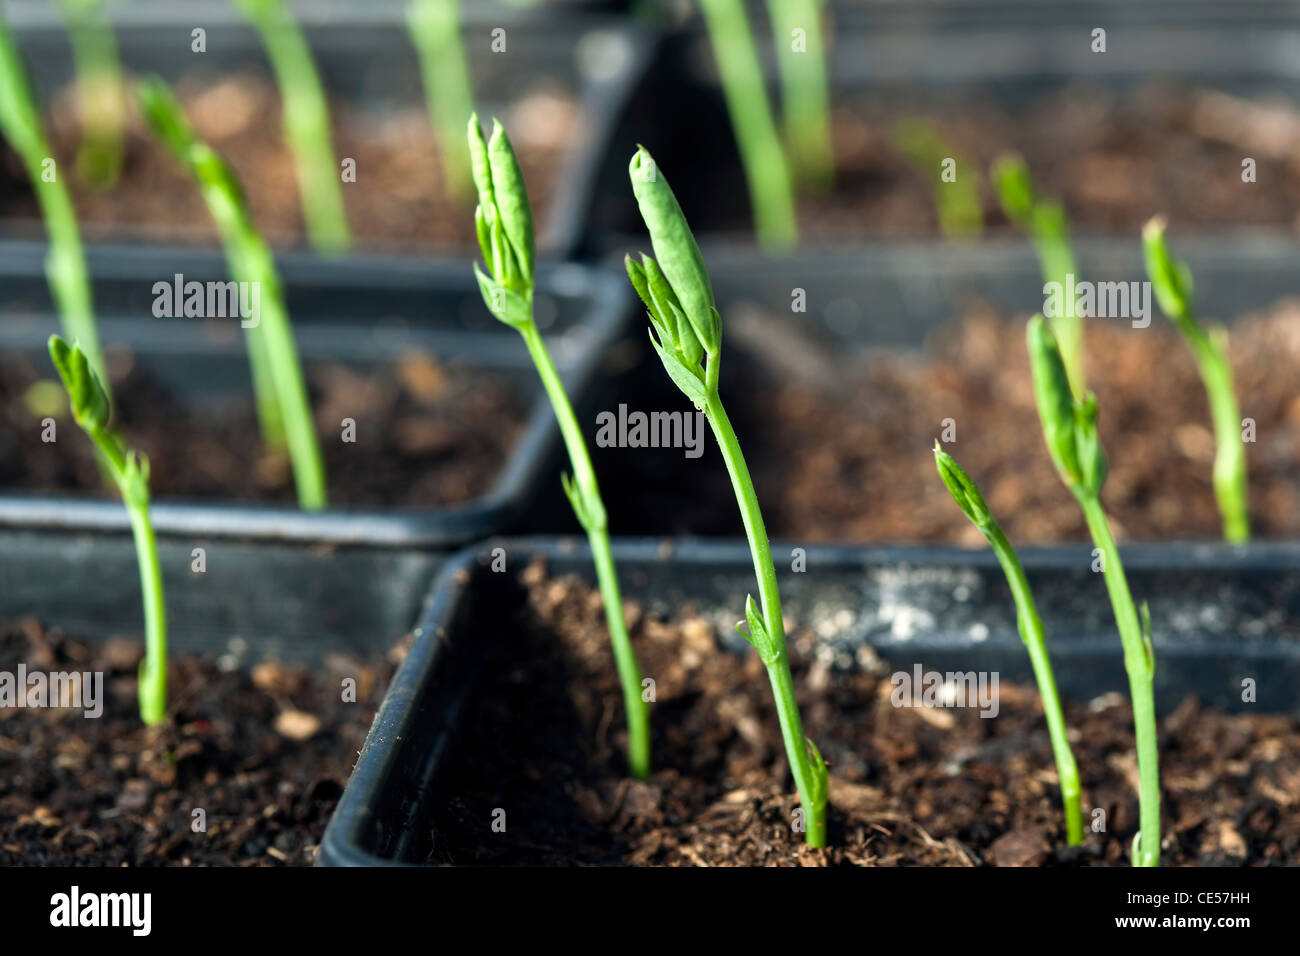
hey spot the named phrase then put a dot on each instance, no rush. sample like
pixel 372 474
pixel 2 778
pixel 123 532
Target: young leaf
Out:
pixel 757 635
pixel 1015 189
pixel 1170 279
pixel 89 400
pixel 961 488
pixel 1055 405
pixel 675 248
pixel 512 198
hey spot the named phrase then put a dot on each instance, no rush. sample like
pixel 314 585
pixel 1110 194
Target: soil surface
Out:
pixel 839 446
pixel 426 434
pixel 1114 159
pixel 937 787
pixel 399 198
pixel 264 752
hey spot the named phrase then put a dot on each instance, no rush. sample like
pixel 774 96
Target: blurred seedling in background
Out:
pixel 956 191
pixel 65 263
pixel 504 224
pixel 306 123
pixel 130 472
pixel 1045 223
pixel 1172 282
pixel 101 91
pixel 687 331
pixel 767 173
pixel 805 91
pixel 434 26
pixel 283 408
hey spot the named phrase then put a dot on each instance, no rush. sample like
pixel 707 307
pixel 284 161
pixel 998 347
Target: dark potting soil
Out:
pixel 399 198
pixel 427 434
pixel 1114 159
pixel 263 751
pixel 839 447
pixel 941 787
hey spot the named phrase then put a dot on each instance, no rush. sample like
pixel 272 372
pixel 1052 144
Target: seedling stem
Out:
pixel 505 230
pixel 306 123
pixel 435 30
pixel 65 263
pixel 130 471
pixel 687 330
pixel 1070 430
pixel 1172 282
pixel 766 172
pixel 805 90
pixel 971 501
pixel 284 410
pixel 1048 229
pixel 101 91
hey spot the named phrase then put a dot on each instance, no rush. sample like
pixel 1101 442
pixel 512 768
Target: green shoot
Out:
pixel 101 91
pixel 130 471
pixel 969 499
pixel 65 265
pixel 435 30
pixel 1070 430
pixel 284 411
pixel 678 296
pixel 504 223
pixel 306 123
pixel 766 173
pixel 1172 282
pixel 1045 223
pixel 805 90
pixel 956 200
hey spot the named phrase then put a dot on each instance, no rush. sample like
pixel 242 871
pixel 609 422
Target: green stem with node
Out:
pixel 280 389
pixel 504 224
pixel 687 331
pixel 968 497
pixel 1140 664
pixel 1070 431
pixel 130 472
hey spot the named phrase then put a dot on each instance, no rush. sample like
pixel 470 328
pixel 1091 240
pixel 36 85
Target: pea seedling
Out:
pixel 284 411
pixel 434 26
pixel 306 122
pixel 1070 430
pixel 1045 223
pixel 100 89
pixel 678 297
pixel 130 471
pixel 968 498
pixel 805 90
pixel 957 201
pixel 1172 282
pixel 504 223
pixel 766 172
pixel 65 264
